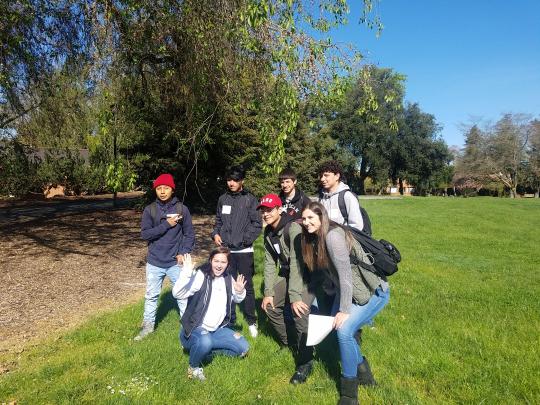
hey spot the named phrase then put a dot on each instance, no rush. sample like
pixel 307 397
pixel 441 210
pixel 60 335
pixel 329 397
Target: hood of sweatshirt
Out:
pixel 341 187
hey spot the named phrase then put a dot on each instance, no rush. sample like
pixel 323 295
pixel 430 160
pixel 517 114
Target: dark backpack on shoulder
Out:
pixel 384 255
pixel 179 207
pixel 345 214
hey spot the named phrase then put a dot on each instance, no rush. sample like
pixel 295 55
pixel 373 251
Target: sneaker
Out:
pixel 253 330
pixel 146 329
pixel 196 373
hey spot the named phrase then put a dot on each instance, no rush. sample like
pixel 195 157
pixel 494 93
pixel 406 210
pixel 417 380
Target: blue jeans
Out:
pixel 359 315
pixel 202 344
pixel 154 282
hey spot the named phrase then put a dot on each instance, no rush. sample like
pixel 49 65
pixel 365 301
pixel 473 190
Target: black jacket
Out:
pixel 296 205
pixel 238 222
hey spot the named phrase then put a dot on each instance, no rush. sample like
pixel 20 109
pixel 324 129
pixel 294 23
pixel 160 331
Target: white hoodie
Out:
pixel 330 203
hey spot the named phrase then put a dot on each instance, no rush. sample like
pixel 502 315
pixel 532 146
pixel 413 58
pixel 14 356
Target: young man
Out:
pixel 237 226
pixel 286 281
pixel 330 176
pixel 294 200
pixel 166 226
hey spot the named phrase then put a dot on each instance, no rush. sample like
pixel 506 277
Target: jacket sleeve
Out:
pixel 296 264
pixel 255 223
pixel 353 210
pixel 269 272
pixel 149 232
pixel 219 222
pixel 338 252
pixel 188 241
pixel 187 284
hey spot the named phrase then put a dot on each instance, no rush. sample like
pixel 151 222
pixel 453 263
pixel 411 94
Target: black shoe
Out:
pixel 302 373
pixel 364 375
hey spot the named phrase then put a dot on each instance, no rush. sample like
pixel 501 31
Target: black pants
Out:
pixel 243 263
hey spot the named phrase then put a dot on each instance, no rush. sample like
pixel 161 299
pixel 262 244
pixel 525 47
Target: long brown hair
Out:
pixel 314 244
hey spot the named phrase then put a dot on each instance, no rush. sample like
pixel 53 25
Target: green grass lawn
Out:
pixel 462 326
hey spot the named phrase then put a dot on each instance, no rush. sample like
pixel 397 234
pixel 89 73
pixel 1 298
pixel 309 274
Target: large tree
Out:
pixel 366 122
pixel 419 155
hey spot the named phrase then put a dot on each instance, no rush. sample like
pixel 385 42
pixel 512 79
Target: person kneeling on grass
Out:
pixel 210 291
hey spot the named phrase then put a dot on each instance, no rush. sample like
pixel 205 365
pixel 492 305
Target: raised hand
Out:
pixel 239 284
pixel 188 263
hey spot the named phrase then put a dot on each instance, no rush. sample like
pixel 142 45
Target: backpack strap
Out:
pixel 342 206
pixel 179 207
pixel 345 214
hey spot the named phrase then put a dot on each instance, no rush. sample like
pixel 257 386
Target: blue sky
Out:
pixel 464 60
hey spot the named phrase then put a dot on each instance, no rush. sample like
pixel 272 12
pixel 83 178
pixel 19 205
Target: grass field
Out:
pixel 462 326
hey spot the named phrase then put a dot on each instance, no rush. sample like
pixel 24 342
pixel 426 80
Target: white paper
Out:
pixel 226 209
pixel 319 327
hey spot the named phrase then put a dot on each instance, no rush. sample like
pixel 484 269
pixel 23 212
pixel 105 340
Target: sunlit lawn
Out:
pixel 462 326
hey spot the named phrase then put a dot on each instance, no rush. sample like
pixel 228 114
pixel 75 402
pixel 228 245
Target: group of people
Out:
pixel 311 261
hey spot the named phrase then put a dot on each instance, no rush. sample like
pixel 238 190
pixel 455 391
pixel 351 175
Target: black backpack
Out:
pixel 154 214
pixel 384 255
pixel 345 214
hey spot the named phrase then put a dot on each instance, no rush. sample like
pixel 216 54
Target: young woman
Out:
pixel 361 294
pixel 210 291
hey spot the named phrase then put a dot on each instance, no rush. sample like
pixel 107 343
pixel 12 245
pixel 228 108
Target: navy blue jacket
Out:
pixel 197 305
pixel 165 242
pixel 238 222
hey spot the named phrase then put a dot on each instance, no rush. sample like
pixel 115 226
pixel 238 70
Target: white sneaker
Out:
pixel 196 373
pixel 253 330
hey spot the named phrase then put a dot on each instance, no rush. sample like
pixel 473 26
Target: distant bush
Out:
pixel 17 171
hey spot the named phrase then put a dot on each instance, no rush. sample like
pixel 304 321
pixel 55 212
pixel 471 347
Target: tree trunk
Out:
pixel 401 186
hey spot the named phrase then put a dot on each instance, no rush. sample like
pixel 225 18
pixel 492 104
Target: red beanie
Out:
pixel 164 180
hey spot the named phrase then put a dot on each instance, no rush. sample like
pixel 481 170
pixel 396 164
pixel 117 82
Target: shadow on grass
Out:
pixel 166 304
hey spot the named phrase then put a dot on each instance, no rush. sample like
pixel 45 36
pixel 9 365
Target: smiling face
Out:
pixel 287 186
pixel 164 193
pixel 270 216
pixel 330 181
pixel 311 221
pixel 219 263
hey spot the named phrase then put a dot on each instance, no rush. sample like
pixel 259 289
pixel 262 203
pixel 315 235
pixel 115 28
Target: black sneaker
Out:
pixel 302 373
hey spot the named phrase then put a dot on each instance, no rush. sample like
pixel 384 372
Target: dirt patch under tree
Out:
pixel 58 270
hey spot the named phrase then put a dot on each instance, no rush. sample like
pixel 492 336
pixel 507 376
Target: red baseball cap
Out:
pixel 164 179
pixel 270 201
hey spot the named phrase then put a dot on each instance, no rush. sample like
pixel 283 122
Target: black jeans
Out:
pixel 243 263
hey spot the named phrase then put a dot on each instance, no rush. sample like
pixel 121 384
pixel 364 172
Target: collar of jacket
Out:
pixel 169 203
pixel 284 220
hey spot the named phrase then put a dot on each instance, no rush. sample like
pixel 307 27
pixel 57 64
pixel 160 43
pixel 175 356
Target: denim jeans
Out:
pixel 154 282
pixel 202 344
pixel 359 315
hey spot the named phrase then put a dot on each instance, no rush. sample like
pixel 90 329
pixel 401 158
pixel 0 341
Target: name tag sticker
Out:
pixel 276 246
pixel 226 209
